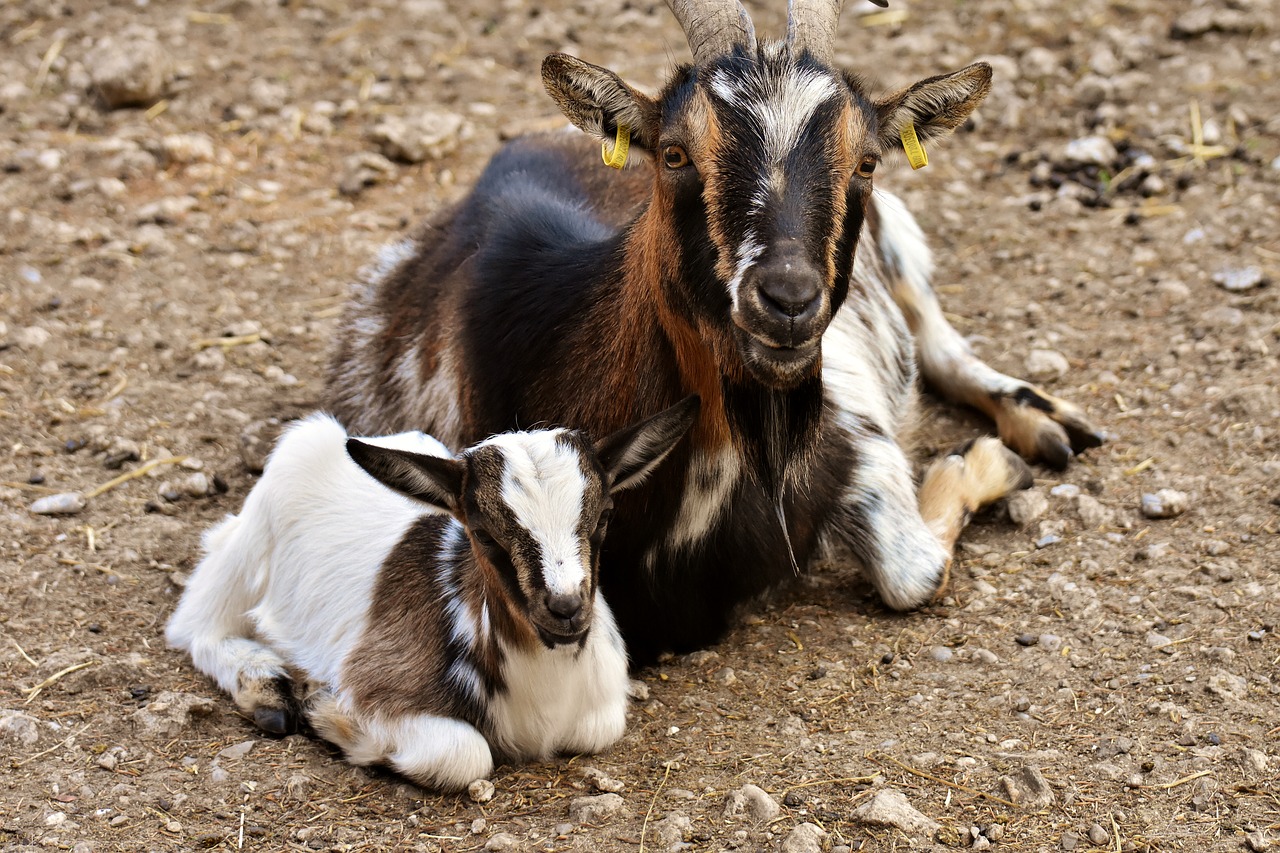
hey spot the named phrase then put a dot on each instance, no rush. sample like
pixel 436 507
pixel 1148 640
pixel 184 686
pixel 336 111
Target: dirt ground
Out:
pixel 170 275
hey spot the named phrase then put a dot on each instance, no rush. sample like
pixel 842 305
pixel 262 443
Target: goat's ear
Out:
pixel 629 455
pixel 596 100
pixel 935 106
pixel 433 480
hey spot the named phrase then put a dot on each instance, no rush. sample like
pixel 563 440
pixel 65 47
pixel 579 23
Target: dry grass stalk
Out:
pixel 947 782
pixel 33 692
pixel 131 475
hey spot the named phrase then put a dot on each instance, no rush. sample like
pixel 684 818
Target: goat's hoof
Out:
pixel 276 721
pixel 1043 428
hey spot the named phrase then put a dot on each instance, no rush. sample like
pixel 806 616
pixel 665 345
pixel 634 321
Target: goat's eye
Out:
pixel 604 519
pixel 674 157
pixel 483 539
pixel 867 166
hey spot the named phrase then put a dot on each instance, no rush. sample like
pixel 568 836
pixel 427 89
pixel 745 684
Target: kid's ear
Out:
pixel 630 454
pixel 935 106
pixel 433 480
pixel 596 100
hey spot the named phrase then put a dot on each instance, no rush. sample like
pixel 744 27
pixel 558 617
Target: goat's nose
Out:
pixel 790 289
pixel 566 606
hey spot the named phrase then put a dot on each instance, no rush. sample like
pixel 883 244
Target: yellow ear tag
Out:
pixel 621 145
pixel 915 151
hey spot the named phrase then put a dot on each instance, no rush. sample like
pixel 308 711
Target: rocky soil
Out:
pixel 186 189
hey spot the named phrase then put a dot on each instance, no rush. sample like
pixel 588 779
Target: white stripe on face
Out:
pixel 543 485
pixel 748 251
pixel 782 103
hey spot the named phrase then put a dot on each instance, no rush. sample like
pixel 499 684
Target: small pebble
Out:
pixel 1098 836
pixel 65 503
pixel 1026 506
pixel 941 654
pixel 481 791
pixel 1243 278
pixel 1065 490
pixel 1046 541
pixel 1027 639
pixel 1166 503
pixel 1050 642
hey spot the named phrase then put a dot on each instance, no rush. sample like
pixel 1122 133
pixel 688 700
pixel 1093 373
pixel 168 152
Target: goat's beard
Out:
pixel 777 431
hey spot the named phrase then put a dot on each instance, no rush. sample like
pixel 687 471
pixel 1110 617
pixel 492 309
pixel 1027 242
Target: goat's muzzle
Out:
pixel 781 313
pixel 562 618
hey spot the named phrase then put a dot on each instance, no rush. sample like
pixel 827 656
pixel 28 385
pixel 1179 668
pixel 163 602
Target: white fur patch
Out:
pixel 295 570
pixel 708 484
pixel 565 698
pixel 543 485
pixel 749 250
pixel 781 104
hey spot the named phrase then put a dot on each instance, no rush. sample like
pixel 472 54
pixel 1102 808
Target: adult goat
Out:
pixel 750 263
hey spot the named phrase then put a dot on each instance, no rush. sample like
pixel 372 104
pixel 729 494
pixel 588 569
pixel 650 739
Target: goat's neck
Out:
pixel 652 270
pixel 774 430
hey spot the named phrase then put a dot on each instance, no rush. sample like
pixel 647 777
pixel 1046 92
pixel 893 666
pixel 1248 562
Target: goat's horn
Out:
pixel 714 27
pixel 811 24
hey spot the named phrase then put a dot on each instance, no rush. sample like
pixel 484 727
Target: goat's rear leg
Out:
pixel 1038 425
pixel 958 485
pixel 435 752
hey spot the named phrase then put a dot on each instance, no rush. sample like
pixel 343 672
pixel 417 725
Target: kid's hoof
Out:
pixel 273 720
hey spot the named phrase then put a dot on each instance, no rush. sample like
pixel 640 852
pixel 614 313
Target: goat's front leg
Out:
pixel 905 539
pixel 959 484
pixel 1036 424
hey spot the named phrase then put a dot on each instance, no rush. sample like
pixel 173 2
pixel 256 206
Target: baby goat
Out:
pixel 424 640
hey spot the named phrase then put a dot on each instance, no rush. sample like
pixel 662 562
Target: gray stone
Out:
pixel 19 727
pixel 129 68
pixel 256 441
pixel 1091 151
pixel 1166 503
pixel 238 750
pixel 751 802
pixel 1093 514
pixel 805 838
pixel 1026 506
pixel 500 842
pixel 891 808
pixel 32 337
pixel 672 830
pixel 1046 364
pixel 941 654
pixel 602 782
pixel 171 713
pixel 595 809
pixel 481 791
pixel 65 503
pixel 1028 788
pixel 1242 278
pixel 1228 686
pixel 1098 836
pixel 725 676
pixel 424 136
pixel 1259 842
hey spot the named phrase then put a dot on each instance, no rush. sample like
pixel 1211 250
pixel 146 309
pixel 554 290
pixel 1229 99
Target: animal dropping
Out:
pixel 745 254
pixel 421 610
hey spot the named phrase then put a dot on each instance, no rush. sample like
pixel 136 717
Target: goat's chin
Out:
pixel 551 638
pixel 778 367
